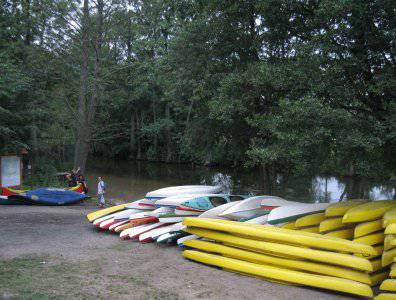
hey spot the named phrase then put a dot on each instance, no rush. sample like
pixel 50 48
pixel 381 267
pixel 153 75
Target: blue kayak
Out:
pixel 49 196
pixel 4 200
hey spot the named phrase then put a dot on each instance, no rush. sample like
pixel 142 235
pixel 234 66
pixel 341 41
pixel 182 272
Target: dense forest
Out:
pixel 290 85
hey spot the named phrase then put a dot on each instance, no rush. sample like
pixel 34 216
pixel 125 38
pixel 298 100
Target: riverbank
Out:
pixel 53 252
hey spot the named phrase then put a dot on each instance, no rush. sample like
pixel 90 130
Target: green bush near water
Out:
pixel 43 174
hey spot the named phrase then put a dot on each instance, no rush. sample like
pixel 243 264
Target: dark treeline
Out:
pixel 291 85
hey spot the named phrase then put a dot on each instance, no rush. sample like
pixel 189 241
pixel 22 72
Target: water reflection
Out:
pixel 132 180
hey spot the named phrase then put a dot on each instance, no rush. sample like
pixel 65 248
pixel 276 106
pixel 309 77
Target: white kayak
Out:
pixel 116 224
pixel 134 234
pixel 171 219
pixel 142 204
pixel 125 233
pixel 138 215
pixel 124 215
pixel 183 189
pixel 290 213
pixel 100 220
pixel 105 224
pixel 114 215
pixel 165 238
pixel 151 235
pixel 186 238
pixel 258 220
pixel 160 211
pixel 215 212
pixel 250 207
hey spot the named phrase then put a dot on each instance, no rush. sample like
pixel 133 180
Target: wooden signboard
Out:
pixel 11 171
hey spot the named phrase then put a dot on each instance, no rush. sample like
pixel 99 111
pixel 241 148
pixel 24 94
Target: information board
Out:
pixel 10 171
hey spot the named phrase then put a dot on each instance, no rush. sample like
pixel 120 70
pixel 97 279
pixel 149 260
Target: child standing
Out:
pixel 101 191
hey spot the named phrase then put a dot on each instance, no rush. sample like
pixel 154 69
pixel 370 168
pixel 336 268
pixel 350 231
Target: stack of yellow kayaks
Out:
pixel 388 286
pixel 286 255
pixel 349 247
pixel 365 218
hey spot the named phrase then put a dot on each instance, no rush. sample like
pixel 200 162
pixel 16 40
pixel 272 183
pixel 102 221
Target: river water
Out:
pixel 129 181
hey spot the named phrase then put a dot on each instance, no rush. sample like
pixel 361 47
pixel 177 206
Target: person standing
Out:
pixel 81 180
pixel 101 192
pixel 72 177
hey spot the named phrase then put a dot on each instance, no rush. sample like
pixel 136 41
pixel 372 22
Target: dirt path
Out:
pixel 53 252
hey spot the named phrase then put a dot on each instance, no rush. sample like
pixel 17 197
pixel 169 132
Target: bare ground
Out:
pixel 54 253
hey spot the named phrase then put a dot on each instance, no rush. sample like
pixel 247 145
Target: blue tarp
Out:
pixel 50 196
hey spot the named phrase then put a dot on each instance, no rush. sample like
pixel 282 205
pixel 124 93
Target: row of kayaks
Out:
pixel 43 196
pixel 338 246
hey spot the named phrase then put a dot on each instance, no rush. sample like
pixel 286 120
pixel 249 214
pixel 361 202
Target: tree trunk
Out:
pixel 93 104
pixel 168 135
pixel 26 16
pixel 33 137
pixel 132 141
pixel 139 124
pixel 155 138
pixel 81 146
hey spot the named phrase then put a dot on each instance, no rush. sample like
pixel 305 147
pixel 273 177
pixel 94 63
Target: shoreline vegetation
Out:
pixel 291 87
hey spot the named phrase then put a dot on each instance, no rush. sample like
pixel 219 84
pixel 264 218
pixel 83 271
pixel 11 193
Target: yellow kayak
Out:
pixel 393 271
pixel 378 249
pixel 389 217
pixel 282 235
pixel 334 258
pixel 331 224
pixel 390 229
pixel 277 273
pixel 376 263
pixel 388 257
pixel 388 285
pixel 385 297
pixel 103 212
pixel 314 229
pixel 366 228
pixel 342 233
pixel 340 208
pixel 369 211
pixel 389 241
pixel 310 220
pixel 289 225
pixel 259 258
pixel 371 239
pixel 378 277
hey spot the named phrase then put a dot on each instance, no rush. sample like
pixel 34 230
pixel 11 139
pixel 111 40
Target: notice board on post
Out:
pixel 11 171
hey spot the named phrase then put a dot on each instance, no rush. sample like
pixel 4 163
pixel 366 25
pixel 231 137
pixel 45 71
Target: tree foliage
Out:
pixel 294 85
